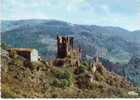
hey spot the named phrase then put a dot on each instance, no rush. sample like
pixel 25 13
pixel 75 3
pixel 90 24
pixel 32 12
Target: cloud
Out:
pixel 136 23
pixel 105 9
pixel 74 5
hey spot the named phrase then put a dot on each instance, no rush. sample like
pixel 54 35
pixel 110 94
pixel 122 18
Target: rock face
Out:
pixel 21 78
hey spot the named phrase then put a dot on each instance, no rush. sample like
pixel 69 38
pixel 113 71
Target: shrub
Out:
pixel 7 92
pixel 4 46
pixel 15 61
pixel 55 82
pixel 65 83
pixel 60 75
pixel 83 68
pixel 62 83
pixel 86 63
pixel 68 75
pixel 18 62
pixel 69 78
pixel 63 77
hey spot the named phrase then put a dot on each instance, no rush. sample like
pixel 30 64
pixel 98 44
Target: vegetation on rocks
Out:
pixel 21 78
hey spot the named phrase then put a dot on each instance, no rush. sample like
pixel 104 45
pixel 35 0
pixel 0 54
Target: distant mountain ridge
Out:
pixel 105 30
pixel 121 44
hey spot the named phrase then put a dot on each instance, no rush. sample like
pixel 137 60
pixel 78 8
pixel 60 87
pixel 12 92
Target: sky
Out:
pixel 121 13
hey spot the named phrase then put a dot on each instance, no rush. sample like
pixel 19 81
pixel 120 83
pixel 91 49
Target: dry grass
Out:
pixel 22 81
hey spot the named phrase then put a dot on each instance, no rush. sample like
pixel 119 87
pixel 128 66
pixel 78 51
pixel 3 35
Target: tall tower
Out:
pixel 64 46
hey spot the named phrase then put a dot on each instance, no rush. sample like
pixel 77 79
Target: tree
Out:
pixel 4 46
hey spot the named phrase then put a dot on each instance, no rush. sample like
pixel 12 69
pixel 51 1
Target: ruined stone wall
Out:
pixel 31 55
pixel 64 46
pixel 66 51
pixel 34 56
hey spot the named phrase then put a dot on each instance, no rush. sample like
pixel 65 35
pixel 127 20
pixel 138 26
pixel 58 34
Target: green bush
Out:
pixel 18 62
pixel 59 74
pixel 4 46
pixel 55 83
pixel 64 79
pixel 86 63
pixel 83 68
pixel 65 83
pixel 62 83
pixel 63 75
pixel 7 92
pixel 68 75
pixel 15 62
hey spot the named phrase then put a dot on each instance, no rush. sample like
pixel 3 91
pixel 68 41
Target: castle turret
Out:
pixel 64 46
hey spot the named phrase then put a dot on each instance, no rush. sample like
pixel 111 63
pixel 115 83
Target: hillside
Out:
pixel 118 43
pixel 21 78
pixel 129 70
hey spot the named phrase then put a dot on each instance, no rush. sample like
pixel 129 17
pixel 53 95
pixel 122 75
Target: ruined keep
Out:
pixel 65 49
pixel 64 46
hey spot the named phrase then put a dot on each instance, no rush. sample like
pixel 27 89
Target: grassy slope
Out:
pixel 20 79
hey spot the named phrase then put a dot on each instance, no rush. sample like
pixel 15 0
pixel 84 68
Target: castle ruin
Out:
pixel 64 46
pixel 65 49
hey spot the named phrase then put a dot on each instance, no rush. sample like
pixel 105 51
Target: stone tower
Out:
pixel 64 46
